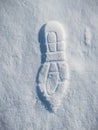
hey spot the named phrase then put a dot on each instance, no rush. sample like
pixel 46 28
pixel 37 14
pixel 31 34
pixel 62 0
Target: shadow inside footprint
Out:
pixel 41 39
pixel 42 98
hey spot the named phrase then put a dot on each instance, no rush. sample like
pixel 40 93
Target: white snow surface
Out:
pixel 20 59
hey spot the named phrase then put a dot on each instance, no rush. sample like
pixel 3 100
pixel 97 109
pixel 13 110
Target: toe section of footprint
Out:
pixel 51 37
pixel 52 28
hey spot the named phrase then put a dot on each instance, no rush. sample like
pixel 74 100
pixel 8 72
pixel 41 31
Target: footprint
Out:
pixel 53 75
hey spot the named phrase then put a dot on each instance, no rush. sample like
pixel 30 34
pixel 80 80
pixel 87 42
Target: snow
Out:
pixel 21 27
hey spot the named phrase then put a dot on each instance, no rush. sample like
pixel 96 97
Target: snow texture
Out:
pixel 23 51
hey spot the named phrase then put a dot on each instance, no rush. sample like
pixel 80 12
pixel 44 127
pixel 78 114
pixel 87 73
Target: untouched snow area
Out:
pixel 21 35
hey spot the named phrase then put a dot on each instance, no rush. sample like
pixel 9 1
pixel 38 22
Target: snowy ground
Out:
pixel 20 59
